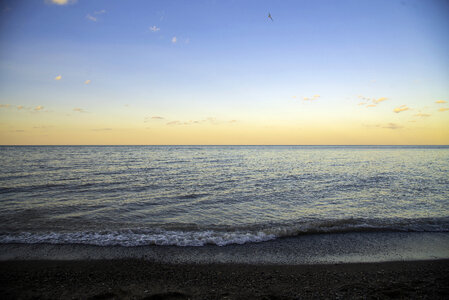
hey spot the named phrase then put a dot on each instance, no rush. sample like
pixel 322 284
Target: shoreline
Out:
pixel 300 250
pixel 140 279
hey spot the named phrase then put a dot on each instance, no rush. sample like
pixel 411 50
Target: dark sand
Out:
pixel 139 279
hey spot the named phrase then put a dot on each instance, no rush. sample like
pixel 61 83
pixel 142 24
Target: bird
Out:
pixel 269 16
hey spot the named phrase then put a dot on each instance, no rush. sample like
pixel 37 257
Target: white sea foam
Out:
pixel 221 236
pixel 129 239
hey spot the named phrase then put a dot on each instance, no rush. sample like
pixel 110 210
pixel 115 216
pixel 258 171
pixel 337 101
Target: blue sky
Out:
pixel 226 60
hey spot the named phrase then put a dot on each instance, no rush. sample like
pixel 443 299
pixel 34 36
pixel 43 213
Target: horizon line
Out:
pixel 311 145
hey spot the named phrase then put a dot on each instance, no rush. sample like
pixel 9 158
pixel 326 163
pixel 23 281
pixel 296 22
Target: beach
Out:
pixel 140 279
pixel 347 265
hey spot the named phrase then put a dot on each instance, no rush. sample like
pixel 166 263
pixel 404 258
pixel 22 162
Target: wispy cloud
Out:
pixel 101 129
pixel 91 18
pixel 374 101
pixel 79 110
pixel 209 120
pixel 401 108
pixel 58 77
pixel 440 101
pixel 174 123
pixel 314 97
pixel 21 107
pixel 61 2
pixel 174 40
pixel 148 119
pixel 87 81
pixel 39 108
pixel 392 126
pixel 97 13
pixel 422 115
pixel 43 127
pixel 154 28
pixel 443 109
pixel 379 100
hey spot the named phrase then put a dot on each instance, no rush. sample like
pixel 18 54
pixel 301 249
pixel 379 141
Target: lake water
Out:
pixel 219 195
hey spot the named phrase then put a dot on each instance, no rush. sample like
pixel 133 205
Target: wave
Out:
pixel 224 235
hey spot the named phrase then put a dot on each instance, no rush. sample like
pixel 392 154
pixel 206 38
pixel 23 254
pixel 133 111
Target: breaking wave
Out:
pixel 223 235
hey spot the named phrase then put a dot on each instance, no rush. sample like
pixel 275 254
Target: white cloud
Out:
pixel 401 108
pixel 174 40
pixel 58 77
pixel 100 12
pixel 154 28
pixel 89 17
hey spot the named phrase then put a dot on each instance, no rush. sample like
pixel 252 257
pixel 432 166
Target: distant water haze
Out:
pixel 198 195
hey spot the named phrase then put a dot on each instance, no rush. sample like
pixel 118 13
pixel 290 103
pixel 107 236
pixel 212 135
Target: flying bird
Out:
pixel 269 16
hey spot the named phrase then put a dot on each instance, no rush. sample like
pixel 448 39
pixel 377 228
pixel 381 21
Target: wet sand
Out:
pixel 141 279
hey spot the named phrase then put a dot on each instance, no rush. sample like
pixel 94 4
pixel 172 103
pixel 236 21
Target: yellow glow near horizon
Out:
pixel 33 126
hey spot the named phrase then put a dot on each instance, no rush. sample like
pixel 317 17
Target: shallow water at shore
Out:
pixel 307 249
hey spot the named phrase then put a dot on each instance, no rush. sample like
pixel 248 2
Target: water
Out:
pixel 219 195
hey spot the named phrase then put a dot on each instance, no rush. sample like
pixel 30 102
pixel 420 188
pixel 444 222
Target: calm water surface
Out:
pixel 190 195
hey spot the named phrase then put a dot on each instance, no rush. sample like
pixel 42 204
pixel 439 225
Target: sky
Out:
pixel 115 72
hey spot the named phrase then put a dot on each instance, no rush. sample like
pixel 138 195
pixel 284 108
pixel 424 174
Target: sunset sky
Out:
pixel 221 72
